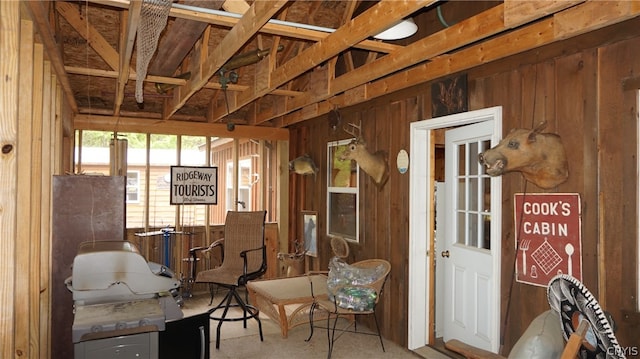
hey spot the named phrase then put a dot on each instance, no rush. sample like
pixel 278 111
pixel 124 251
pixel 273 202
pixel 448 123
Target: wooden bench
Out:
pixel 287 300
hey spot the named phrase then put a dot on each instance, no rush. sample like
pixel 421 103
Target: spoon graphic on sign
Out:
pixel 569 249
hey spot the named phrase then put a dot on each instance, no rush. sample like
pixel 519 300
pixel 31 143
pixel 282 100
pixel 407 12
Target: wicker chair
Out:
pixel 245 259
pixel 336 310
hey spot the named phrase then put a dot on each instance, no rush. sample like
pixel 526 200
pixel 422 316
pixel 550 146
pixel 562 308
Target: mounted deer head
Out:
pixel 375 165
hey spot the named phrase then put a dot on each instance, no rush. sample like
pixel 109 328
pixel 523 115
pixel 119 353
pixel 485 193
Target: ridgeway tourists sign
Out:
pixel 194 185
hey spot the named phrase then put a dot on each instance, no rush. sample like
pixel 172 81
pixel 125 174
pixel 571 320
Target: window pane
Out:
pixel 133 187
pixel 342 214
pixel 93 157
pixel 473 154
pixel 473 194
pixel 136 177
pixel 462 155
pixel 472 229
pixel 163 155
pixel 462 228
pixel 461 193
pixel 343 172
pixel 486 190
pixel 486 232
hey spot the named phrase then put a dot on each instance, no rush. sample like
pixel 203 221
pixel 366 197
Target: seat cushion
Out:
pixel 543 339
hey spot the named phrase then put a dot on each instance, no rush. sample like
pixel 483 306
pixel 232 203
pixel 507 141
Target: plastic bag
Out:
pixel 343 283
pixel 356 298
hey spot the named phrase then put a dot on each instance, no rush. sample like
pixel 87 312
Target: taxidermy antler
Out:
pixel 373 164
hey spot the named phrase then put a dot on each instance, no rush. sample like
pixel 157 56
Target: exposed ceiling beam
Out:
pixel 126 50
pixel 236 6
pixel 269 28
pixel 593 15
pixel 483 25
pixel 41 21
pixel 257 15
pixel 518 12
pixel 174 46
pixel 172 127
pixel 379 17
pixel 89 33
pixel 170 80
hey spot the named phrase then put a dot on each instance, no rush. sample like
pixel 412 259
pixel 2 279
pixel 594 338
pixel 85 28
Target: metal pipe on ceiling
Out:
pixel 238 16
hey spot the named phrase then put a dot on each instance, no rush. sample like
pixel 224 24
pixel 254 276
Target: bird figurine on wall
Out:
pixel 304 165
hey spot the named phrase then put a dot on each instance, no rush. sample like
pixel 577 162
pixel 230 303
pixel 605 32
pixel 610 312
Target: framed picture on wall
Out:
pixel 310 232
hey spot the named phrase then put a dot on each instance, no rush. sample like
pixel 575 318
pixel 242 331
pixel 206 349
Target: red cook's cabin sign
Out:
pixel 548 236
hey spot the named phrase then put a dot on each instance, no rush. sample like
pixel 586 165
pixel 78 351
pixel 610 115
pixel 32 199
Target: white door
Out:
pixel 425 293
pixel 466 256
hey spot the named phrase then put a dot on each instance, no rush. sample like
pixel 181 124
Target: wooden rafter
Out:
pixel 126 50
pixel 431 57
pixel 236 6
pixel 172 127
pixel 257 15
pixel 89 33
pixel 376 19
pixel 169 80
pixel 592 14
pixel 41 21
pixel 272 29
pixel 466 32
pixel 348 14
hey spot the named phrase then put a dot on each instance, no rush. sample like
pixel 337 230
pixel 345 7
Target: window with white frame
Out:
pixel 133 186
pixel 245 181
pixel 342 193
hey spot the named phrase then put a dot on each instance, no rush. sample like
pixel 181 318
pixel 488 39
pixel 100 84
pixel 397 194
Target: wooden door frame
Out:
pixel 422 297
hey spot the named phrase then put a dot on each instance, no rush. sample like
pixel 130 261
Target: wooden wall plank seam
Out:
pixel 9 48
pixel 23 291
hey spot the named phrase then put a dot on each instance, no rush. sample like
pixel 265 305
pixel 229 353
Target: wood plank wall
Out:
pixel 31 136
pixel 580 88
pixel 579 92
pixel 383 214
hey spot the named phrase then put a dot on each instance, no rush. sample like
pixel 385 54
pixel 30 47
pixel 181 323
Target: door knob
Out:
pixel 445 254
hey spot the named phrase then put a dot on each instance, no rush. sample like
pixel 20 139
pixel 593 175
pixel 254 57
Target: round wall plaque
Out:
pixel 402 161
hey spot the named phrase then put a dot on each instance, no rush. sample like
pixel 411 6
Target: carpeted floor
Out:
pixel 237 342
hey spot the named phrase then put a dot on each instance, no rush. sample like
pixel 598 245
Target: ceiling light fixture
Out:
pixel 400 30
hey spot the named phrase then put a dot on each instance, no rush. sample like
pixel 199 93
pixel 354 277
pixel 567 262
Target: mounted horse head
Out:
pixel 373 164
pixel 540 157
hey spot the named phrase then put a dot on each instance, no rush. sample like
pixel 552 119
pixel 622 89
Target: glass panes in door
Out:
pixel 473 194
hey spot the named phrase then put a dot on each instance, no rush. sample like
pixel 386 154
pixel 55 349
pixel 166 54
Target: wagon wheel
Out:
pixel 340 247
pixel 576 305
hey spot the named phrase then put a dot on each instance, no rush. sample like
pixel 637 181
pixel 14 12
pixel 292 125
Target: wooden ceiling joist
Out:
pixel 307 65
pixel 461 34
pixel 518 12
pixel 257 15
pixel 172 127
pixel 170 80
pixel 292 31
pixel 543 32
pixel 126 50
pixel 379 17
pixel 175 45
pixel 41 21
pixel 89 33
